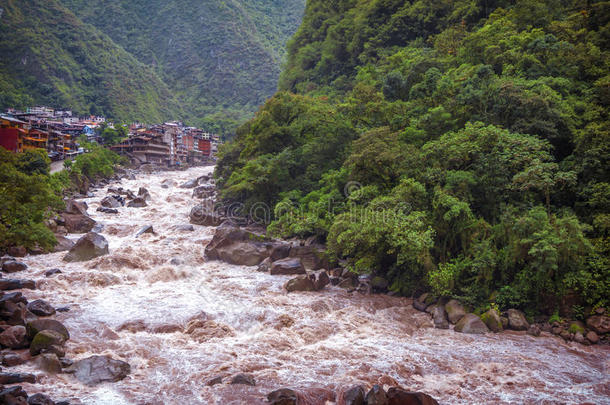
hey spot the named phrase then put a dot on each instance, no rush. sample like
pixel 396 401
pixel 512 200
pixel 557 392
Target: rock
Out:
pixel 41 308
pixel 287 266
pixel 592 337
pixel 78 223
pixel 143 193
pixel 279 251
pixel 455 311
pixel 90 246
pixel 533 330
pixel 13 395
pixel 264 266
pixel 137 202
pixel 238 246
pixel 353 396
pixel 97 369
pixel 470 323
pixel 203 215
pixel 12 359
pixel 63 244
pixel 107 210
pixel 379 284
pixel 579 338
pixel 302 283
pixel 111 202
pixel 39 325
pixel 185 228
pixel 13 266
pixel 130 195
pixel 313 257
pixel 348 283
pixel 49 362
pixel 15 378
pixel 205 191
pixel 145 229
pixel 283 396
pixel 247 379
pixel 376 396
pixel 320 279
pixel 190 184
pixel 17 251
pixel 76 207
pixel 599 323
pixel 40 399
pixel 14 337
pixel 213 381
pixel 167 183
pixel 6 258
pixel 15 284
pixel 52 272
pixel 44 340
pixel 491 318
pixel 419 305
pixel 439 315
pixel 398 396
pixel 516 320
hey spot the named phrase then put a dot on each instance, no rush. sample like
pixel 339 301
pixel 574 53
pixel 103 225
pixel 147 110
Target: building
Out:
pixel 35 139
pixel 12 132
pixel 145 147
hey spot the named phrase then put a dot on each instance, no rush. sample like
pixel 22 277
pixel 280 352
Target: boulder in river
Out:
pixel 137 202
pixel 352 396
pixel 492 320
pixel 283 396
pixel 98 369
pixel 78 223
pixel 516 320
pixel 17 251
pixel 13 266
pixel 44 340
pixel 203 214
pixel 243 378
pixel 142 192
pixel 145 229
pixel 190 184
pixel 16 378
pixel 49 362
pixel 238 246
pixel 599 323
pixel 63 244
pixel 376 396
pixel 455 311
pixel 38 325
pixel 287 266
pixel 319 278
pixel 41 308
pixel 439 316
pixel 205 191
pixel 111 201
pixel 301 283
pixel 76 207
pixel 107 210
pixel 312 256
pixel 470 323
pixel 185 228
pixel 398 396
pixel 16 284
pixel 89 246
pixel 41 399
pixel 14 337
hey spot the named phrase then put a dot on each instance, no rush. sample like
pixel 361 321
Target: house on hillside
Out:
pixel 12 132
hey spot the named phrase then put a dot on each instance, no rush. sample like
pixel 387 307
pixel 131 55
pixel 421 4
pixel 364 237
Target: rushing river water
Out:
pixel 180 320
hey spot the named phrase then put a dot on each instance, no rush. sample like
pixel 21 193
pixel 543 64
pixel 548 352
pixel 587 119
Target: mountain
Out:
pixel 49 56
pixel 221 59
pixel 459 147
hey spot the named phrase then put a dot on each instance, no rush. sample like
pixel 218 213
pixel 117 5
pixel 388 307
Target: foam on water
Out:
pixel 180 320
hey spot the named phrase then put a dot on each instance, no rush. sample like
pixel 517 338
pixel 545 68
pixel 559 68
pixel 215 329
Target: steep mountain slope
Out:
pixel 49 56
pixel 221 58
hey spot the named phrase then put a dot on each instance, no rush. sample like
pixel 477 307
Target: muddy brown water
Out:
pixel 180 320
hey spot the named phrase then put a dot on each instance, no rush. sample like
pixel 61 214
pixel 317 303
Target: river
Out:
pixel 180 320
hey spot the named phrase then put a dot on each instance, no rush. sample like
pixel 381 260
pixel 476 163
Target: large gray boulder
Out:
pixel 492 319
pixel 439 315
pixel 470 323
pixel 76 207
pixel 239 246
pixel 78 223
pixel 63 244
pixel 204 215
pixel 301 283
pixel 13 266
pixel 287 266
pixel 455 311
pixel 110 202
pixel 98 369
pixel 90 246
pixel 516 320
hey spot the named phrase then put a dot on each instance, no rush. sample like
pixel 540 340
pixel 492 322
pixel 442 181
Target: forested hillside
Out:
pixel 49 56
pixel 459 147
pixel 222 59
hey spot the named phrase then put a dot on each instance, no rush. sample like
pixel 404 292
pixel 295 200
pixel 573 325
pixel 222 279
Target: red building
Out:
pixel 204 147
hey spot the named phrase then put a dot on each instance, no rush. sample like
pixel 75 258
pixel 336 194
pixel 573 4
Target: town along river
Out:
pixel 180 320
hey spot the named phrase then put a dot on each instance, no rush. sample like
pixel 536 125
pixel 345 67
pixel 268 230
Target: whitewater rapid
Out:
pixel 180 320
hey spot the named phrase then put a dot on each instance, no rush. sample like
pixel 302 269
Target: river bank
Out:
pixel 155 302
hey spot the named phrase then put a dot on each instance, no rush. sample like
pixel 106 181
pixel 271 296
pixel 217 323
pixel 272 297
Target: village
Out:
pixel 60 132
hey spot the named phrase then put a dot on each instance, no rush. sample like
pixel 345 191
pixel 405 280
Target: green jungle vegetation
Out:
pixel 458 147
pixel 208 63
pixel 31 195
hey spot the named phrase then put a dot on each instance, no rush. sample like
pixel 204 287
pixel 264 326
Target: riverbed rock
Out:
pixel 78 223
pixel 49 362
pixel 52 272
pixel 204 215
pixel 592 337
pixel 16 378
pixel 491 318
pixel 14 337
pixel 167 183
pixel 107 210
pixel 376 396
pixel 41 308
pixel 98 369
pixel 283 396
pixel 238 246
pixel 137 202
pixel 455 311
pixel 534 330
pixel 398 396
pixel 205 191
pixel 190 184
pixel 89 246
pixel 470 323
pixel 17 251
pixel 265 265
pixel 302 283
pixel 13 266
pixel 145 229
pixel 243 378
pixel 16 284
pixel 213 381
pixel 13 395
pixel 110 202
pixel 185 228
pixel 63 244
pixel 516 320
pixel 12 359
pixel 319 278
pixel 76 207
pixel 44 340
pixel 352 396
pixel 287 266
pixel 143 193
pixel 439 316
pixel 40 399
pixel 313 257
pixel 38 325
pixel 599 323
